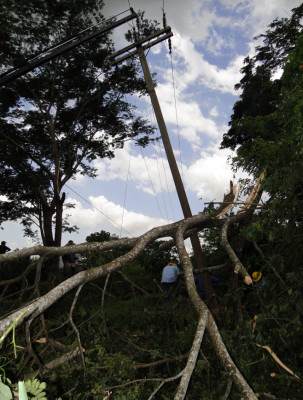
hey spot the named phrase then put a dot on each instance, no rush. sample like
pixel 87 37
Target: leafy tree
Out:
pixel 266 132
pixel 266 125
pixel 92 260
pixel 56 120
pixel 260 92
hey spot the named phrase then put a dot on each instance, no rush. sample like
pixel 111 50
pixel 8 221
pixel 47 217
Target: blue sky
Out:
pixel 135 190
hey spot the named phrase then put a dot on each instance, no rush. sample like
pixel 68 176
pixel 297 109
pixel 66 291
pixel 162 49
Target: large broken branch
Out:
pixel 238 266
pixel 192 359
pixel 135 247
pixel 254 193
pixel 211 325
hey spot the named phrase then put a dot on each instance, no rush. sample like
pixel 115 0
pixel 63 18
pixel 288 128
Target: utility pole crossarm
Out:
pixel 46 56
pixel 161 35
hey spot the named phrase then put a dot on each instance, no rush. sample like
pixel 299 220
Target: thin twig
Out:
pixel 173 378
pixel 228 389
pixel 74 326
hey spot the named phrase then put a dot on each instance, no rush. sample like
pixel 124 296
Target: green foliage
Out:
pixel 22 391
pixel 36 388
pixel 14 268
pixel 5 392
pixel 127 332
pixel 94 259
pixel 28 390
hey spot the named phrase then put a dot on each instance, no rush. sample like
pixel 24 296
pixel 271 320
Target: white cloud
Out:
pixel 261 13
pixel 106 215
pixel 209 176
pixel 214 112
pixel 150 172
pixel 200 71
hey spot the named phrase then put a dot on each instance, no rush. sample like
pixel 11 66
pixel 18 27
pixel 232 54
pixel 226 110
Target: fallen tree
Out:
pixel 132 248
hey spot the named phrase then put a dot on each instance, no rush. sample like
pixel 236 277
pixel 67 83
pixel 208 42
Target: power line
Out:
pixel 151 183
pixel 176 112
pixel 153 119
pixel 96 208
pixel 166 180
pixel 125 191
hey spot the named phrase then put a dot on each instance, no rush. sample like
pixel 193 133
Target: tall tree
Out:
pixel 260 94
pixel 57 119
pixel 266 125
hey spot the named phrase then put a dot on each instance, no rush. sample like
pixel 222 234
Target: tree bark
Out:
pixel 211 326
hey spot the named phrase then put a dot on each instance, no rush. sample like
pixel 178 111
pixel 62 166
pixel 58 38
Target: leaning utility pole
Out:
pixel 195 241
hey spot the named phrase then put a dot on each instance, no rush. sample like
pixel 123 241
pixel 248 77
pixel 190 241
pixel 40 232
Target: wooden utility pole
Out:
pixel 195 241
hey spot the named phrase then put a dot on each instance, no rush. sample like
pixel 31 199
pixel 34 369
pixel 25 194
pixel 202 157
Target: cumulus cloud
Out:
pixel 106 215
pixel 199 70
pixel 149 171
pixel 209 176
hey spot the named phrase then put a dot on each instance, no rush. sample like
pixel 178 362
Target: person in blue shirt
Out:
pixel 170 275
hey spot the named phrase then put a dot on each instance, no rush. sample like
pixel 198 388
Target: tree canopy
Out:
pixel 266 125
pixel 57 119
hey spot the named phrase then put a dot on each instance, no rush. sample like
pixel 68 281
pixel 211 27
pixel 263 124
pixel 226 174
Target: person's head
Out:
pixel 70 242
pixel 172 263
pixel 3 243
pixel 256 276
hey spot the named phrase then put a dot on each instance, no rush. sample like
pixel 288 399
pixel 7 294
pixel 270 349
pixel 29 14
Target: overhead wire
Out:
pixel 174 88
pixel 153 118
pixel 161 153
pixel 177 122
pixel 176 113
pixel 96 208
pixel 167 186
pixel 125 190
pixel 61 43
pixel 146 166
pixel 151 182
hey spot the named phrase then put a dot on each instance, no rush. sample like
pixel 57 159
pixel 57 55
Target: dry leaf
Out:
pixel 41 341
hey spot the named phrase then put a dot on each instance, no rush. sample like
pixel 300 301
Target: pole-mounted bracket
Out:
pixel 158 37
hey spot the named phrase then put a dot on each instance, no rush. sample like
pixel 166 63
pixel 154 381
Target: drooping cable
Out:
pixel 167 186
pixel 125 190
pixel 153 118
pixel 96 208
pixel 176 113
pixel 58 45
pixel 174 88
pixel 147 169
